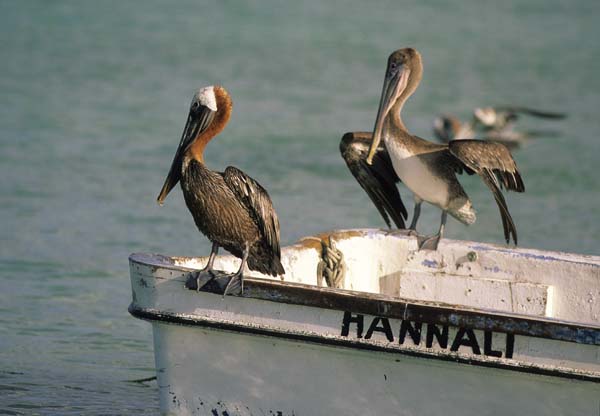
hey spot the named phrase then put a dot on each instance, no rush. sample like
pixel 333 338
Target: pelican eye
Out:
pixel 395 67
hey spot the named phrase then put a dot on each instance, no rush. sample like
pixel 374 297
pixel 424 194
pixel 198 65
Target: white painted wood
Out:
pixel 495 294
pixel 373 257
pixel 304 362
pixel 251 375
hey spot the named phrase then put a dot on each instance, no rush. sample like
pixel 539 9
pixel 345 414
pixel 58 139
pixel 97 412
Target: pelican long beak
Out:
pixel 198 121
pixel 393 85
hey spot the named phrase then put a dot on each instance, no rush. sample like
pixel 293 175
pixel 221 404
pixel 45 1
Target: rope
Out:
pixel 331 267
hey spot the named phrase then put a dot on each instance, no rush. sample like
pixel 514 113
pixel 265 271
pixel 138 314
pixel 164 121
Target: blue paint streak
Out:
pixel 430 263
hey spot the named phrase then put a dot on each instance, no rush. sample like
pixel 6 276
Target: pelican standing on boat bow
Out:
pixel 229 207
pixel 429 169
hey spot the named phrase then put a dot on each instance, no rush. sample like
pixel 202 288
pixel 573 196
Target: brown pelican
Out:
pixel 229 207
pixel 429 169
pixel 490 123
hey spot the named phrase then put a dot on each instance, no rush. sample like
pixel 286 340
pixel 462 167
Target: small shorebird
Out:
pixel 491 123
pixel 229 207
pixel 429 169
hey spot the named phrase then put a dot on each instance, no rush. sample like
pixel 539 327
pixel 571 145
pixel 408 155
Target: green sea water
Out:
pixel 94 97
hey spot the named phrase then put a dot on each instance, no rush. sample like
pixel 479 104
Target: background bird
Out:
pixel 492 123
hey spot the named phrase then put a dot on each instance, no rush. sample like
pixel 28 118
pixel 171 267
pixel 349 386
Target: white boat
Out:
pixel 469 329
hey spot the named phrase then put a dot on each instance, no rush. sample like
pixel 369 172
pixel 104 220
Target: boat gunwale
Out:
pixel 397 308
pixel 171 318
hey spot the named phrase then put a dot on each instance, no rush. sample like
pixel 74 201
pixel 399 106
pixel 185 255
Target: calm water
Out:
pixel 94 97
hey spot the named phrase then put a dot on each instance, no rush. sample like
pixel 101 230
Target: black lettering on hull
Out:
pixel 510 345
pixel 487 345
pixel 441 337
pixel 414 332
pixel 469 341
pixel 384 328
pixel 435 334
pixel 358 319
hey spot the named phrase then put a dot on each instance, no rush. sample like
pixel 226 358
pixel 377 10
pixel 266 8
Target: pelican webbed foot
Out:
pixel 428 242
pixel 199 279
pixel 239 275
pixel 431 242
pixel 236 282
pixel 207 271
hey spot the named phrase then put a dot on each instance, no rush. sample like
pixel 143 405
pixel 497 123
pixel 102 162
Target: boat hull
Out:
pixel 293 348
pixel 207 371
